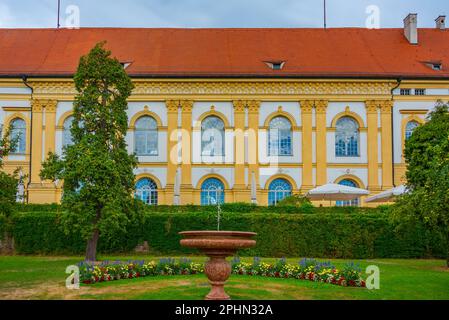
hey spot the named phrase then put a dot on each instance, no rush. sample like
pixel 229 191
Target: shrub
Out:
pixel 356 235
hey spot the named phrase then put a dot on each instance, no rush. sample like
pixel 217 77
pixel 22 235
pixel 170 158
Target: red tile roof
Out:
pixel 340 52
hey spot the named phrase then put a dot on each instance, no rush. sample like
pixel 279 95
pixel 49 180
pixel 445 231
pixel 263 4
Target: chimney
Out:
pixel 411 28
pixel 440 22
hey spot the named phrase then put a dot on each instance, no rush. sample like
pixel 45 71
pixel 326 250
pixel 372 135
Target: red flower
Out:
pixel 137 275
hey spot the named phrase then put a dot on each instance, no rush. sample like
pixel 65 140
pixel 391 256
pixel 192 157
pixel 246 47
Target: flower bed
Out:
pixel 118 270
pixel 307 269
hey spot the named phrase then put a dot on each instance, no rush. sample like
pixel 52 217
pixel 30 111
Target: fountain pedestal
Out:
pixel 218 245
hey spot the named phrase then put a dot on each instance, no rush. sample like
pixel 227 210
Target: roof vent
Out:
pixel 440 21
pixel 275 65
pixel 411 28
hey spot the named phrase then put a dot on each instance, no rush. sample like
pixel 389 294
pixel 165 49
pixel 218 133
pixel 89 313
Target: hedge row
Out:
pixel 227 207
pixel 368 235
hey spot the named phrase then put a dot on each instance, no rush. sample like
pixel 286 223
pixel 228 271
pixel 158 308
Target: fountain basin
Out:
pixel 218 245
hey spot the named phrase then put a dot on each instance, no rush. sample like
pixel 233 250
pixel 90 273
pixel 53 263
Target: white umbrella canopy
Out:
pixel 336 192
pixel 253 188
pixel 388 195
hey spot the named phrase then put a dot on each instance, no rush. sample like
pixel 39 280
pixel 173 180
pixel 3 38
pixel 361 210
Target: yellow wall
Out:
pixel 246 96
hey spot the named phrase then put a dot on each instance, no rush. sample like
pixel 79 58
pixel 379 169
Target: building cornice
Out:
pixel 228 87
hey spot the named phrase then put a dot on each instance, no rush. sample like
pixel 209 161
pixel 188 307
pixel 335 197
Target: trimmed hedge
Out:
pixel 227 207
pixel 323 235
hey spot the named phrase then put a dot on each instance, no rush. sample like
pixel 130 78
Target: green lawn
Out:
pixel 31 277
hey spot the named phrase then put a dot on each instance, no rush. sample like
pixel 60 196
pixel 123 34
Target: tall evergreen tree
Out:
pixel 97 170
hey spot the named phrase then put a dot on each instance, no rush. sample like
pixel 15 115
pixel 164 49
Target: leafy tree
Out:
pixel 97 170
pixel 427 157
pixel 296 200
pixel 8 182
pixel 8 189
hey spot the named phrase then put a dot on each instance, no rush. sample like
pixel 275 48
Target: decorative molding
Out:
pixel 306 106
pixel 253 106
pixel 37 105
pixel 386 106
pixel 239 106
pixel 372 106
pixel 408 112
pixel 321 106
pixel 186 105
pixel 233 88
pixel 172 106
pixel 16 109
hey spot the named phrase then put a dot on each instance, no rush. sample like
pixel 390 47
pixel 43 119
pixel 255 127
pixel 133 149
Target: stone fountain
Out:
pixel 218 245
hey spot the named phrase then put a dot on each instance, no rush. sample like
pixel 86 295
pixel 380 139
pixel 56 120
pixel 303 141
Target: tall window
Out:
pixel 280 137
pixel 212 192
pixel 67 139
pixel 352 203
pixel 19 132
pixel 212 137
pixel 347 138
pixel 279 189
pixel 146 137
pixel 146 190
pixel 411 126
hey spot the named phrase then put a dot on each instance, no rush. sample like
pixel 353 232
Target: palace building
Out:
pixel 223 109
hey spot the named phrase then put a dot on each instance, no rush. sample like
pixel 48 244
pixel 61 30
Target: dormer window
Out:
pixel 275 65
pixel 125 65
pixel 435 65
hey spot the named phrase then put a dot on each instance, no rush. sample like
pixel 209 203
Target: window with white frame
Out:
pixel 347 138
pixel 280 137
pixel 67 138
pixel 212 137
pixel 279 189
pixel 146 191
pixel 411 126
pixel 212 192
pixel 146 137
pixel 18 134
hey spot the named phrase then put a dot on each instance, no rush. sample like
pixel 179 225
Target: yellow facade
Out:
pixel 317 105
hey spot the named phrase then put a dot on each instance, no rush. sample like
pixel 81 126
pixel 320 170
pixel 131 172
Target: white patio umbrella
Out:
pixel 177 187
pixel 253 188
pixel 336 192
pixel 388 195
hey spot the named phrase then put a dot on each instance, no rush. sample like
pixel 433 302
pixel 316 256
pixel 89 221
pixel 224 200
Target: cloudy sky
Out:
pixel 217 13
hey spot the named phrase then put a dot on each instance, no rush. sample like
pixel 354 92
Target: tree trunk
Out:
pixel 447 256
pixel 91 250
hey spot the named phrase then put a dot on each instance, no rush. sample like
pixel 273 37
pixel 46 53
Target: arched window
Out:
pixel 212 192
pixel 279 189
pixel 411 126
pixel 280 137
pixel 351 203
pixel 146 137
pixel 67 139
pixel 146 190
pixel 18 133
pixel 347 138
pixel 212 136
